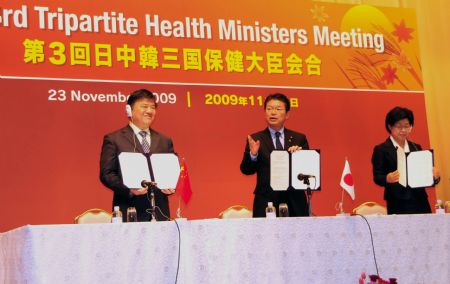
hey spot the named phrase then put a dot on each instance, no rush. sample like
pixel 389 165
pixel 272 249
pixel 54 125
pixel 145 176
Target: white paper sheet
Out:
pixel 134 168
pixel 166 170
pixel 419 165
pixel 306 162
pixel 279 170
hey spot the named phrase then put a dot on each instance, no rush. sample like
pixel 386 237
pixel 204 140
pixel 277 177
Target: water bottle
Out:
pixel 270 211
pixel 116 215
pixel 439 207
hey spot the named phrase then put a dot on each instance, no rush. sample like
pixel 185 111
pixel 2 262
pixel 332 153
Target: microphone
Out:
pixel 303 177
pixel 147 183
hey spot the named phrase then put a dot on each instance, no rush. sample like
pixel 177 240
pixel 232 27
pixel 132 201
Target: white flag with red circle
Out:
pixel 347 180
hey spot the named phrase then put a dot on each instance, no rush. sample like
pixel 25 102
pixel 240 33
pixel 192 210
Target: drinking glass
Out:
pixel 283 210
pixel 131 214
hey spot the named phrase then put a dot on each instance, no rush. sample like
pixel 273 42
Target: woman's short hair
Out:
pixel 396 114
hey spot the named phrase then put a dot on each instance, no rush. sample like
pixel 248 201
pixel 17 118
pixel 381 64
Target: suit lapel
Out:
pixel 267 140
pixel 154 141
pixel 392 151
pixel 128 133
pixel 412 146
pixel 288 139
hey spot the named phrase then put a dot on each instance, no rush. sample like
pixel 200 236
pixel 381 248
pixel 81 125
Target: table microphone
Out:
pixel 147 183
pixel 303 177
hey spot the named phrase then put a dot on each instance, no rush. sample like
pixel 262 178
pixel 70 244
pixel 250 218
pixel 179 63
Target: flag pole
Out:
pixel 341 204
pixel 179 199
pixel 179 208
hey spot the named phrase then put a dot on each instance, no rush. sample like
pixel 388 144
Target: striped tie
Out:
pixel 144 143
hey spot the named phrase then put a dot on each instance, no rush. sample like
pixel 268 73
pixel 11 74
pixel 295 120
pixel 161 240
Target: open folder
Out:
pixel 292 169
pixel 419 168
pixel 164 169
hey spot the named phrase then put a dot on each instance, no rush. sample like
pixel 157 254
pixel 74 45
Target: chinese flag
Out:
pixel 347 180
pixel 183 184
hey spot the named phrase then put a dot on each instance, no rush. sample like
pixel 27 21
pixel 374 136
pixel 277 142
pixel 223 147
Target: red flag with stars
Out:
pixel 184 185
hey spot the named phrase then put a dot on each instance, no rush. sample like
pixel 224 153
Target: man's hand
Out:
pixel 393 177
pixel 253 145
pixel 293 149
pixel 168 191
pixel 138 191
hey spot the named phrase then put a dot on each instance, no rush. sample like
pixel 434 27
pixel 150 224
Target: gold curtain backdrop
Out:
pixel 434 33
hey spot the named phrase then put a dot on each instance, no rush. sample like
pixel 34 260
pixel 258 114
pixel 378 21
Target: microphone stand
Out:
pixel 309 195
pixel 152 202
pixel 151 186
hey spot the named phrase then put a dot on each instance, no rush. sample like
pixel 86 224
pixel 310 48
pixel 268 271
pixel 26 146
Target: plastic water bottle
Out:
pixel 439 207
pixel 116 215
pixel 270 211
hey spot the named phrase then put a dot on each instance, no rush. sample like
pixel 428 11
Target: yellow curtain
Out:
pixel 434 32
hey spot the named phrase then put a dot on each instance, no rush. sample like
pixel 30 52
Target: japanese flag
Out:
pixel 347 180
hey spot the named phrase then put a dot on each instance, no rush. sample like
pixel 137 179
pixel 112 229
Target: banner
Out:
pixel 68 67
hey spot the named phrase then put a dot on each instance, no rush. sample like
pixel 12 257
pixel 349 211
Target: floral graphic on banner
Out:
pixel 398 65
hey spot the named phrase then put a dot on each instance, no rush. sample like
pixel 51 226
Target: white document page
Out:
pixel 419 166
pixel 166 170
pixel 134 168
pixel 306 162
pixel 279 170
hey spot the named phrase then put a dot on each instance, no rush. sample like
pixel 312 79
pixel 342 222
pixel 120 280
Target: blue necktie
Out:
pixel 278 145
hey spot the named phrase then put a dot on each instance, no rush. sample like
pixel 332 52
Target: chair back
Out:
pixel 370 208
pixel 236 211
pixel 93 216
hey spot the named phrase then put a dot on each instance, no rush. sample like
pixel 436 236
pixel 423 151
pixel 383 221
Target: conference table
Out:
pixel 411 248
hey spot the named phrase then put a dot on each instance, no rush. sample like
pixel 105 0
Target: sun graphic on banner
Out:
pixel 391 68
pixel 365 17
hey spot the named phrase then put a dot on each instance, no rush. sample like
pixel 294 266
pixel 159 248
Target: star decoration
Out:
pixel 389 74
pixel 402 32
pixel 318 13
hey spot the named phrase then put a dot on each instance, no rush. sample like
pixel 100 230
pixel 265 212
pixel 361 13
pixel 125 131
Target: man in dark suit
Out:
pixel 257 158
pixel 138 137
pixel 389 166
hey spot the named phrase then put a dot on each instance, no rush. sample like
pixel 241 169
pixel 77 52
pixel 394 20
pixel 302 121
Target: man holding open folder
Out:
pixel 136 137
pixel 257 158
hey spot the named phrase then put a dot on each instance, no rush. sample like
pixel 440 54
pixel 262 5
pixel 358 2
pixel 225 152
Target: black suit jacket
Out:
pixel 384 161
pixel 295 199
pixel 124 140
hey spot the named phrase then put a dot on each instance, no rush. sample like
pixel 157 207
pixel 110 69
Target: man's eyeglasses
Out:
pixel 277 109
